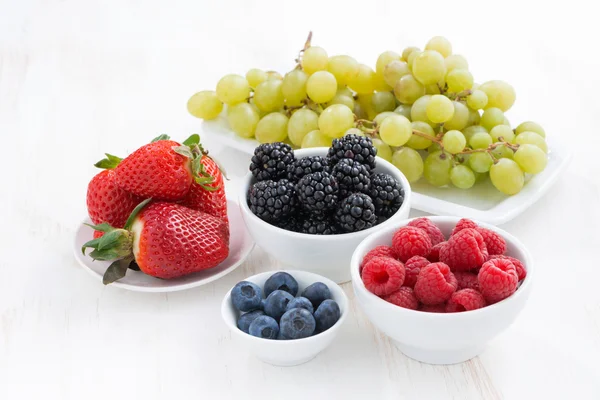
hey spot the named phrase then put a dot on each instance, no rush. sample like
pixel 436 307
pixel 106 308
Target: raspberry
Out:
pixel 383 275
pixel 497 279
pixel 466 280
pixel 403 297
pixel 412 266
pixel 494 242
pixel 436 308
pixel 521 271
pixel 435 284
pixel 465 300
pixel 463 224
pixel 435 234
pixel 464 251
pixel 434 254
pixel 410 241
pixel 379 251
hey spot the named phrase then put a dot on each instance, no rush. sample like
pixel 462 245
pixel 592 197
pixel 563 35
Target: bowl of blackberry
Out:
pixel 310 208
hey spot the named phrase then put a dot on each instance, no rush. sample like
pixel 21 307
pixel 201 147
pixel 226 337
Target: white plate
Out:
pixel 482 202
pixel 240 246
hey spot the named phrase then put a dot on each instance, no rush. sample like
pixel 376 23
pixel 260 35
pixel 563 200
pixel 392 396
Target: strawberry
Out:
pixel 166 240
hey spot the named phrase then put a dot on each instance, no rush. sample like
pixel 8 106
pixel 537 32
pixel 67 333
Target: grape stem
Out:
pixel 301 52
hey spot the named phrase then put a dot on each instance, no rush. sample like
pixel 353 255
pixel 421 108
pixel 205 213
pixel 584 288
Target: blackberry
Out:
pixel 317 192
pixel 358 148
pixel 352 177
pixel 305 166
pixel 270 161
pixel 387 194
pixel 291 223
pixel 318 224
pixel 271 201
pixel 355 213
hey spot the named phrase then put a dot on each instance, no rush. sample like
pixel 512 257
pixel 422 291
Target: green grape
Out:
pixel 434 147
pixel 383 101
pixel 379 84
pixel 409 162
pixel 408 89
pixel 500 94
pixel 314 59
pixel 383 150
pixel 268 96
pixel 480 140
pixel 406 52
pixel 404 109
pixel 502 152
pixel 506 121
pixel 411 58
pixel 315 139
pixel 439 44
pixel 302 122
pixel 460 118
pixel 474 117
pixel 233 89
pixel 293 87
pixel 428 67
pixel 471 130
pixel 530 126
pixel 459 79
pixel 454 141
pixel 439 109
pixel 274 76
pixel 205 105
pixel 433 89
pixel 354 131
pixel 507 177
pixel 531 159
pixel 339 98
pixel 359 111
pixel 343 68
pixel 492 117
pixel 321 87
pixel 394 71
pixel 243 118
pixel 462 177
pixel 418 111
pixel 437 168
pixel 477 99
pixel 335 120
pixel 502 133
pixel 255 77
pixel 384 59
pixel 455 61
pixel 419 142
pixel 395 130
pixel 480 162
pixel 381 116
pixel 272 128
pixel 363 81
pixel 532 138
pixel 365 102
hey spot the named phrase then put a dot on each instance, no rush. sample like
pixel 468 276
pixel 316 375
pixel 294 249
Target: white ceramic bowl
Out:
pixel 327 255
pixel 440 338
pixel 286 352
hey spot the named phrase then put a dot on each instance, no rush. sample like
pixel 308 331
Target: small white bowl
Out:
pixel 327 255
pixel 441 338
pixel 286 353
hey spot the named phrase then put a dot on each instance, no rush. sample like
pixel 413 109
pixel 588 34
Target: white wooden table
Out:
pixel 78 78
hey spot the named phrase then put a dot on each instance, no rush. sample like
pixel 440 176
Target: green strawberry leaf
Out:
pixel 161 137
pixel 111 238
pixel 116 270
pixel 134 213
pixel 110 162
pixel 192 140
pixel 105 255
pixel 93 244
pixel 103 227
pixel 184 151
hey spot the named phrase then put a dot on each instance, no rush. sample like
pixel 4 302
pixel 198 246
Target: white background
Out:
pixel 78 78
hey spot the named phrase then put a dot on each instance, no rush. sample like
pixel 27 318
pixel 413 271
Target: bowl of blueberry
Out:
pixel 310 208
pixel 285 318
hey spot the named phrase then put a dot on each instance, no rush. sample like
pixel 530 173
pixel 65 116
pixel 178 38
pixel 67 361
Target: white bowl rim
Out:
pixel 357 281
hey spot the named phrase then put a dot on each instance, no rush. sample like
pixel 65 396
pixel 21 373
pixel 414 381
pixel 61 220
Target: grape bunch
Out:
pixel 421 108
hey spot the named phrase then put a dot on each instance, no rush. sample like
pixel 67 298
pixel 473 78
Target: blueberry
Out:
pixel 246 296
pixel 276 303
pixel 327 315
pixel 264 327
pixel 301 302
pixel 297 323
pixel 246 319
pixel 316 293
pixel 281 281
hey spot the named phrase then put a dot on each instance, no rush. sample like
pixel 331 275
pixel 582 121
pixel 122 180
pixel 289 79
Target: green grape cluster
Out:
pixel 422 108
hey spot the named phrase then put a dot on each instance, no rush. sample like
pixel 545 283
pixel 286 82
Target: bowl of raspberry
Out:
pixel 441 287
pixel 310 208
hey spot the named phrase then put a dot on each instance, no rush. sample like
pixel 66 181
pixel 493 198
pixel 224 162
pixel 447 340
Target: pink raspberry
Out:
pixel 465 300
pixel 521 271
pixel 498 279
pixel 409 241
pixel 435 234
pixel 466 280
pixel 494 243
pixel 463 224
pixel 464 251
pixel 436 308
pixel 379 251
pixel 434 254
pixel 413 265
pixel 383 275
pixel 403 297
pixel 435 284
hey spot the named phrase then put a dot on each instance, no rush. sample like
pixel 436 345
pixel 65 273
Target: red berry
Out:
pixel 436 308
pixel 98 234
pixel 403 297
pixel 498 279
pixel 464 251
pixel 521 271
pixel 413 266
pixel 466 280
pixel 379 251
pixel 409 241
pixel 434 254
pixel 435 284
pixel 383 275
pixel 465 300
pixel 435 234
pixel 463 224
pixel 494 242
